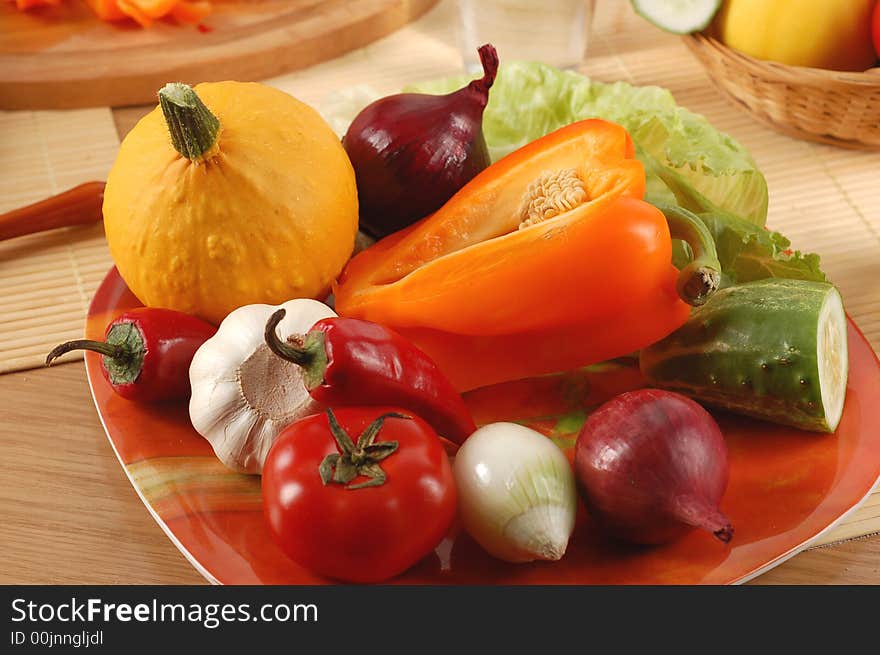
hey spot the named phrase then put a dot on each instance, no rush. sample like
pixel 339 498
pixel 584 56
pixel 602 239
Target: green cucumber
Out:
pixel 678 16
pixel 774 349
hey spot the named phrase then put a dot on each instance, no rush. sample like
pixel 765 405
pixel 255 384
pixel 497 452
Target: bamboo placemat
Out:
pixel 47 280
pixel 823 198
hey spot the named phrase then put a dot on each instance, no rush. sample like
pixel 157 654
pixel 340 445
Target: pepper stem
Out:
pixel 299 356
pixel 702 276
pixel 123 352
pixel 194 129
pixel 360 459
pixel 311 355
pixel 107 349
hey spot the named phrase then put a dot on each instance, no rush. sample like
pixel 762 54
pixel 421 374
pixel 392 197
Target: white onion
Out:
pixel 517 494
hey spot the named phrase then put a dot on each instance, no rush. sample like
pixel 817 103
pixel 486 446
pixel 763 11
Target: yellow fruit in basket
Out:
pixel 832 34
pixel 226 195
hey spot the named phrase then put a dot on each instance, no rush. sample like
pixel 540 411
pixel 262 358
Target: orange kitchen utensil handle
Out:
pixel 77 206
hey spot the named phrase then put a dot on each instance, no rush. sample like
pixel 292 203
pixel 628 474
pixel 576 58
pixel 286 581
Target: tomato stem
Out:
pixel 361 459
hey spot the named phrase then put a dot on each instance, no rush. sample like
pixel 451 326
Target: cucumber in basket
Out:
pixel 774 349
pixel 677 16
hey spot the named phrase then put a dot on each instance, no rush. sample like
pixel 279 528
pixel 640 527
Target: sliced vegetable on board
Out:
pixel 27 4
pixel 651 466
pixel 774 349
pixel 346 361
pixel 516 493
pixel 227 195
pixel 243 396
pixel 412 151
pixel 374 492
pixel 146 353
pixel 523 271
pixel 146 12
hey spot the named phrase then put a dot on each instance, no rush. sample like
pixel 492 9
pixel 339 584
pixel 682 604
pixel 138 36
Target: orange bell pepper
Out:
pixel 546 261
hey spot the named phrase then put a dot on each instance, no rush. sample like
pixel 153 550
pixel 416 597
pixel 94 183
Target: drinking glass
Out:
pixel 554 32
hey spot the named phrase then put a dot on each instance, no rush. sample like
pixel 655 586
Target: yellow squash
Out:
pixel 226 195
pixel 832 34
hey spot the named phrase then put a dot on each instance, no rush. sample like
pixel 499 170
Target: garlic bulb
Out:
pixel 517 494
pixel 242 394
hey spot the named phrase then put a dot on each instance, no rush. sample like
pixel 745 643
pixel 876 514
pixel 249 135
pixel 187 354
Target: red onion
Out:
pixel 411 152
pixel 652 465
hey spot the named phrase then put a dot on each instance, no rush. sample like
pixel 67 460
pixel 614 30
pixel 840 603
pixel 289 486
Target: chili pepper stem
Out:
pixel 113 351
pixel 702 276
pixel 123 350
pixel 311 356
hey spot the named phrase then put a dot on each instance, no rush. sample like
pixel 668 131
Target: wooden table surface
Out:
pixel 68 514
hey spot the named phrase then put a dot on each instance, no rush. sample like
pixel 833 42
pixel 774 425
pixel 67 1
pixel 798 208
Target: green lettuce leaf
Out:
pixel 746 251
pixel 529 100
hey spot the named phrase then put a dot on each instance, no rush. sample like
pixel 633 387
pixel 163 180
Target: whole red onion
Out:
pixel 412 151
pixel 652 465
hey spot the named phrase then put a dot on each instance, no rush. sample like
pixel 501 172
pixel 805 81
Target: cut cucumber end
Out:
pixel 678 16
pixel 833 358
pixel 775 349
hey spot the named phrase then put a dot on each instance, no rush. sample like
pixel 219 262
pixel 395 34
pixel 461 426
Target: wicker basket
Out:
pixel 834 107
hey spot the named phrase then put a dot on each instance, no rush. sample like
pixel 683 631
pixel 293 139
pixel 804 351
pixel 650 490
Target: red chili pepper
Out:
pixel 348 361
pixel 147 352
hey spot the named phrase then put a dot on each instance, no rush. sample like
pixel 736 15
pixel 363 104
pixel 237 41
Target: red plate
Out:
pixel 786 486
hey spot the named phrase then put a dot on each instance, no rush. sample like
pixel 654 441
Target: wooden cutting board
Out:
pixel 64 57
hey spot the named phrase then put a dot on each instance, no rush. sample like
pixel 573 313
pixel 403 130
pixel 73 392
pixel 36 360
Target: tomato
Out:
pixel 367 522
pixel 875 28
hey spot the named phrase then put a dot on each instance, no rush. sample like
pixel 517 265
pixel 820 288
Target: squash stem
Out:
pixel 702 276
pixel 194 129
